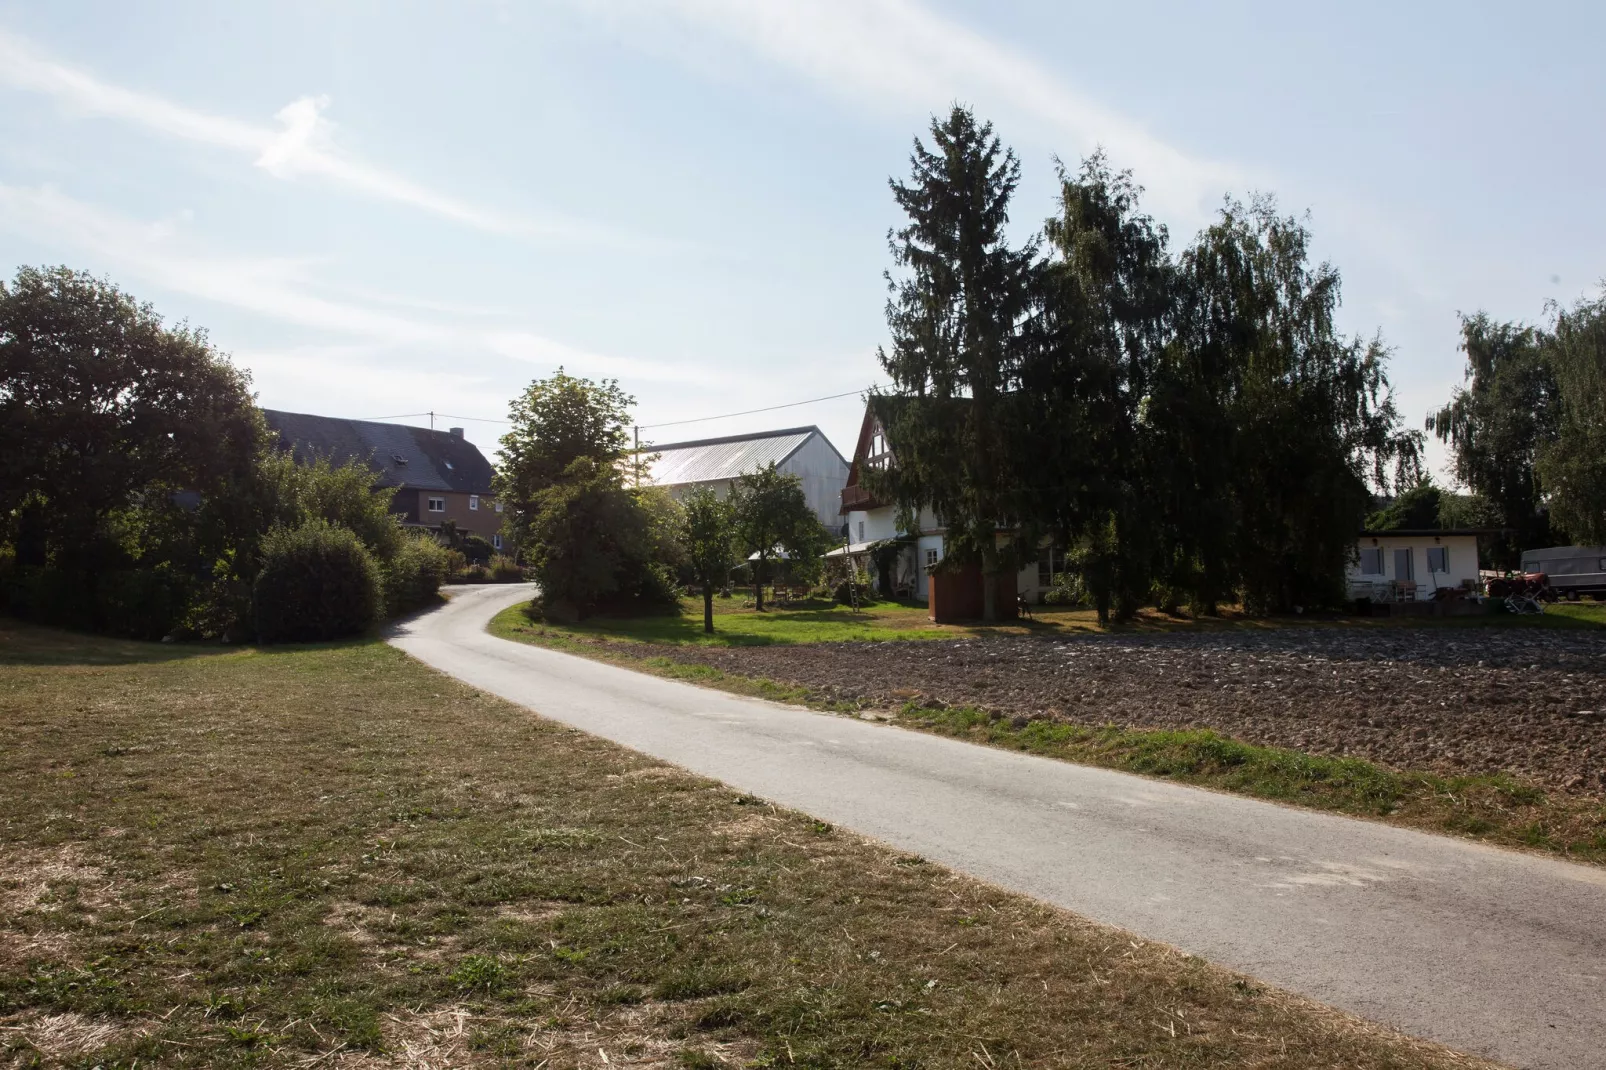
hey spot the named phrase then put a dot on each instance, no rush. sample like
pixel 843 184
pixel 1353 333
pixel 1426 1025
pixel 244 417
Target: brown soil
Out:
pixel 1451 700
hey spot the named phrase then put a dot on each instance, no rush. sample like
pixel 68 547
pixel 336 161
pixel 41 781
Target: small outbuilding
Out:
pixel 1411 565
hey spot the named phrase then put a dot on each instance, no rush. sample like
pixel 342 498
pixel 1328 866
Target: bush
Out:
pixel 1067 590
pixel 413 576
pixel 476 551
pixel 147 603
pixel 506 570
pixel 317 582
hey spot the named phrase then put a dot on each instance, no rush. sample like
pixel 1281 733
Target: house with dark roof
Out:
pixel 804 452
pixel 436 475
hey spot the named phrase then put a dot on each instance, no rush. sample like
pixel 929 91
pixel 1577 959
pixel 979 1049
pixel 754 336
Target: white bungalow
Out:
pixel 1410 565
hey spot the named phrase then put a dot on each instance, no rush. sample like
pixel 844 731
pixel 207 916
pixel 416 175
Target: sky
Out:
pixel 385 208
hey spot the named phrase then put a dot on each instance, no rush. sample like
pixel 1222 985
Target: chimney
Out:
pixel 455 432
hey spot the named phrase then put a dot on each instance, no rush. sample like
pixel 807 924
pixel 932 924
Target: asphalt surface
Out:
pixel 1489 951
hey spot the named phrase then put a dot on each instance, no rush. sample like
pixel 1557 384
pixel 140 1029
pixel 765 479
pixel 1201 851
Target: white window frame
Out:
pixel 1443 553
pixel 1381 560
pixel 436 505
pixel 499 507
pixel 474 501
pixel 933 555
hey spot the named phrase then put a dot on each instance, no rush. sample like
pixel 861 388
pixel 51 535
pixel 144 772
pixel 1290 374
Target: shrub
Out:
pixel 317 582
pixel 414 574
pixel 1067 590
pixel 505 570
pixel 476 551
pixel 147 603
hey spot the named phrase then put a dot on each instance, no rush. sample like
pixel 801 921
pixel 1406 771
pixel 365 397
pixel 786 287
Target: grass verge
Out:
pixel 736 623
pixel 336 857
pixel 1494 809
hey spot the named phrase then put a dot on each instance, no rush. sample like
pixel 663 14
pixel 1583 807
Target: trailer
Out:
pixel 1573 571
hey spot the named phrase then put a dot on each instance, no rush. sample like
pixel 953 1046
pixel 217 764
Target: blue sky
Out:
pixel 392 207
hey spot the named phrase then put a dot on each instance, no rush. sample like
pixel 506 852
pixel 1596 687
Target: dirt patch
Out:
pixel 1530 703
pixel 49 878
pixel 59 1037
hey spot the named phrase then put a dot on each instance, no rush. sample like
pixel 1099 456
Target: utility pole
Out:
pixel 635 456
pixel 432 419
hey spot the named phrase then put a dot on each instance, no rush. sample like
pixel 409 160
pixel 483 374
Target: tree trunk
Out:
pixel 758 585
pixel 708 608
pixel 989 584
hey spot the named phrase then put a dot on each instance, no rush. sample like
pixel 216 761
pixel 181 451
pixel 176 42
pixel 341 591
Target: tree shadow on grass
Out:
pixel 22 643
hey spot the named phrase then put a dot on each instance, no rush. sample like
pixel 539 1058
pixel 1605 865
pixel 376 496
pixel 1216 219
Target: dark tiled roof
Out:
pixel 404 456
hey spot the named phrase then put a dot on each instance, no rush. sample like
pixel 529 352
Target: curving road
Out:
pixel 1488 951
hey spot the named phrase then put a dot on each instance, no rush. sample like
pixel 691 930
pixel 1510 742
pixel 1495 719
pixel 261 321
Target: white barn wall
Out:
pixel 823 473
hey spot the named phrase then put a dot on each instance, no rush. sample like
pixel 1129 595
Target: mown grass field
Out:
pixel 335 857
pixel 737 623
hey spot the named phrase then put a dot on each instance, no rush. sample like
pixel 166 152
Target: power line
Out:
pixel 640 427
pixel 749 412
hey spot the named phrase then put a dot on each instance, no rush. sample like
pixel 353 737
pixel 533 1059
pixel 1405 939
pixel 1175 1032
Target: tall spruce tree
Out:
pixel 955 318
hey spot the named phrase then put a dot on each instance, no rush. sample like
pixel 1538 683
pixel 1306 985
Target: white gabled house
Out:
pixel 870 521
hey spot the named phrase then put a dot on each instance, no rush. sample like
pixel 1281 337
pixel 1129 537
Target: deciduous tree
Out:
pixel 557 421
pixel 1572 467
pixel 709 538
pixel 772 517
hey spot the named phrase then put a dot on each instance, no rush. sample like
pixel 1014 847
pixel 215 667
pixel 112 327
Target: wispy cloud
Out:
pixel 286 291
pixel 301 145
pixel 898 54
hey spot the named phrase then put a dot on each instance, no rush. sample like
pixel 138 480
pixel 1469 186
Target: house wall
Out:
pixel 823 474
pixel 1463 563
pixel 484 521
pixel 877 524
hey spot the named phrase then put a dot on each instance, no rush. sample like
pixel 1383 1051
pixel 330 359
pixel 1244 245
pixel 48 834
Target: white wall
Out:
pixel 1463 563
pixel 823 474
pixel 879 523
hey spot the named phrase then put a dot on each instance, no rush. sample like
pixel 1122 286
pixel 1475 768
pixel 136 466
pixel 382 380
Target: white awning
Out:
pixel 850 549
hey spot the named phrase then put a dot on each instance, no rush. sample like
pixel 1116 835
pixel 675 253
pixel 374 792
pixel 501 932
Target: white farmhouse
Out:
pixel 870 521
pixel 804 452
pixel 1410 565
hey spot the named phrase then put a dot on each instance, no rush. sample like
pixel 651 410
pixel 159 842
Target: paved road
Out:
pixel 1488 951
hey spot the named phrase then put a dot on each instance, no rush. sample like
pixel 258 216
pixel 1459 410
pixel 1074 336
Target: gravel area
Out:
pixel 1532 703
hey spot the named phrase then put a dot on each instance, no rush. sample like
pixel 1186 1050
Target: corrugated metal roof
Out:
pixel 710 459
pixel 404 456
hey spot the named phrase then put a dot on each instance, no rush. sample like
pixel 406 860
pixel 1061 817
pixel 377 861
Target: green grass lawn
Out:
pixel 335 857
pixel 737 623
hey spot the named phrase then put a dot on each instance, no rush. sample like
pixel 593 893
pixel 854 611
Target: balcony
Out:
pixel 856 497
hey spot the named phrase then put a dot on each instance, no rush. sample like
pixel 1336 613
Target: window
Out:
pixel 473 501
pixel 437 505
pixel 1046 567
pixel 1372 562
pixel 932 557
pixel 496 541
pixel 1404 565
pixel 861 531
pixel 499 507
pixel 1438 559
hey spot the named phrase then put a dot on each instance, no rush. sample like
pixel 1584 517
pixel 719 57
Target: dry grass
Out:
pixel 334 857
